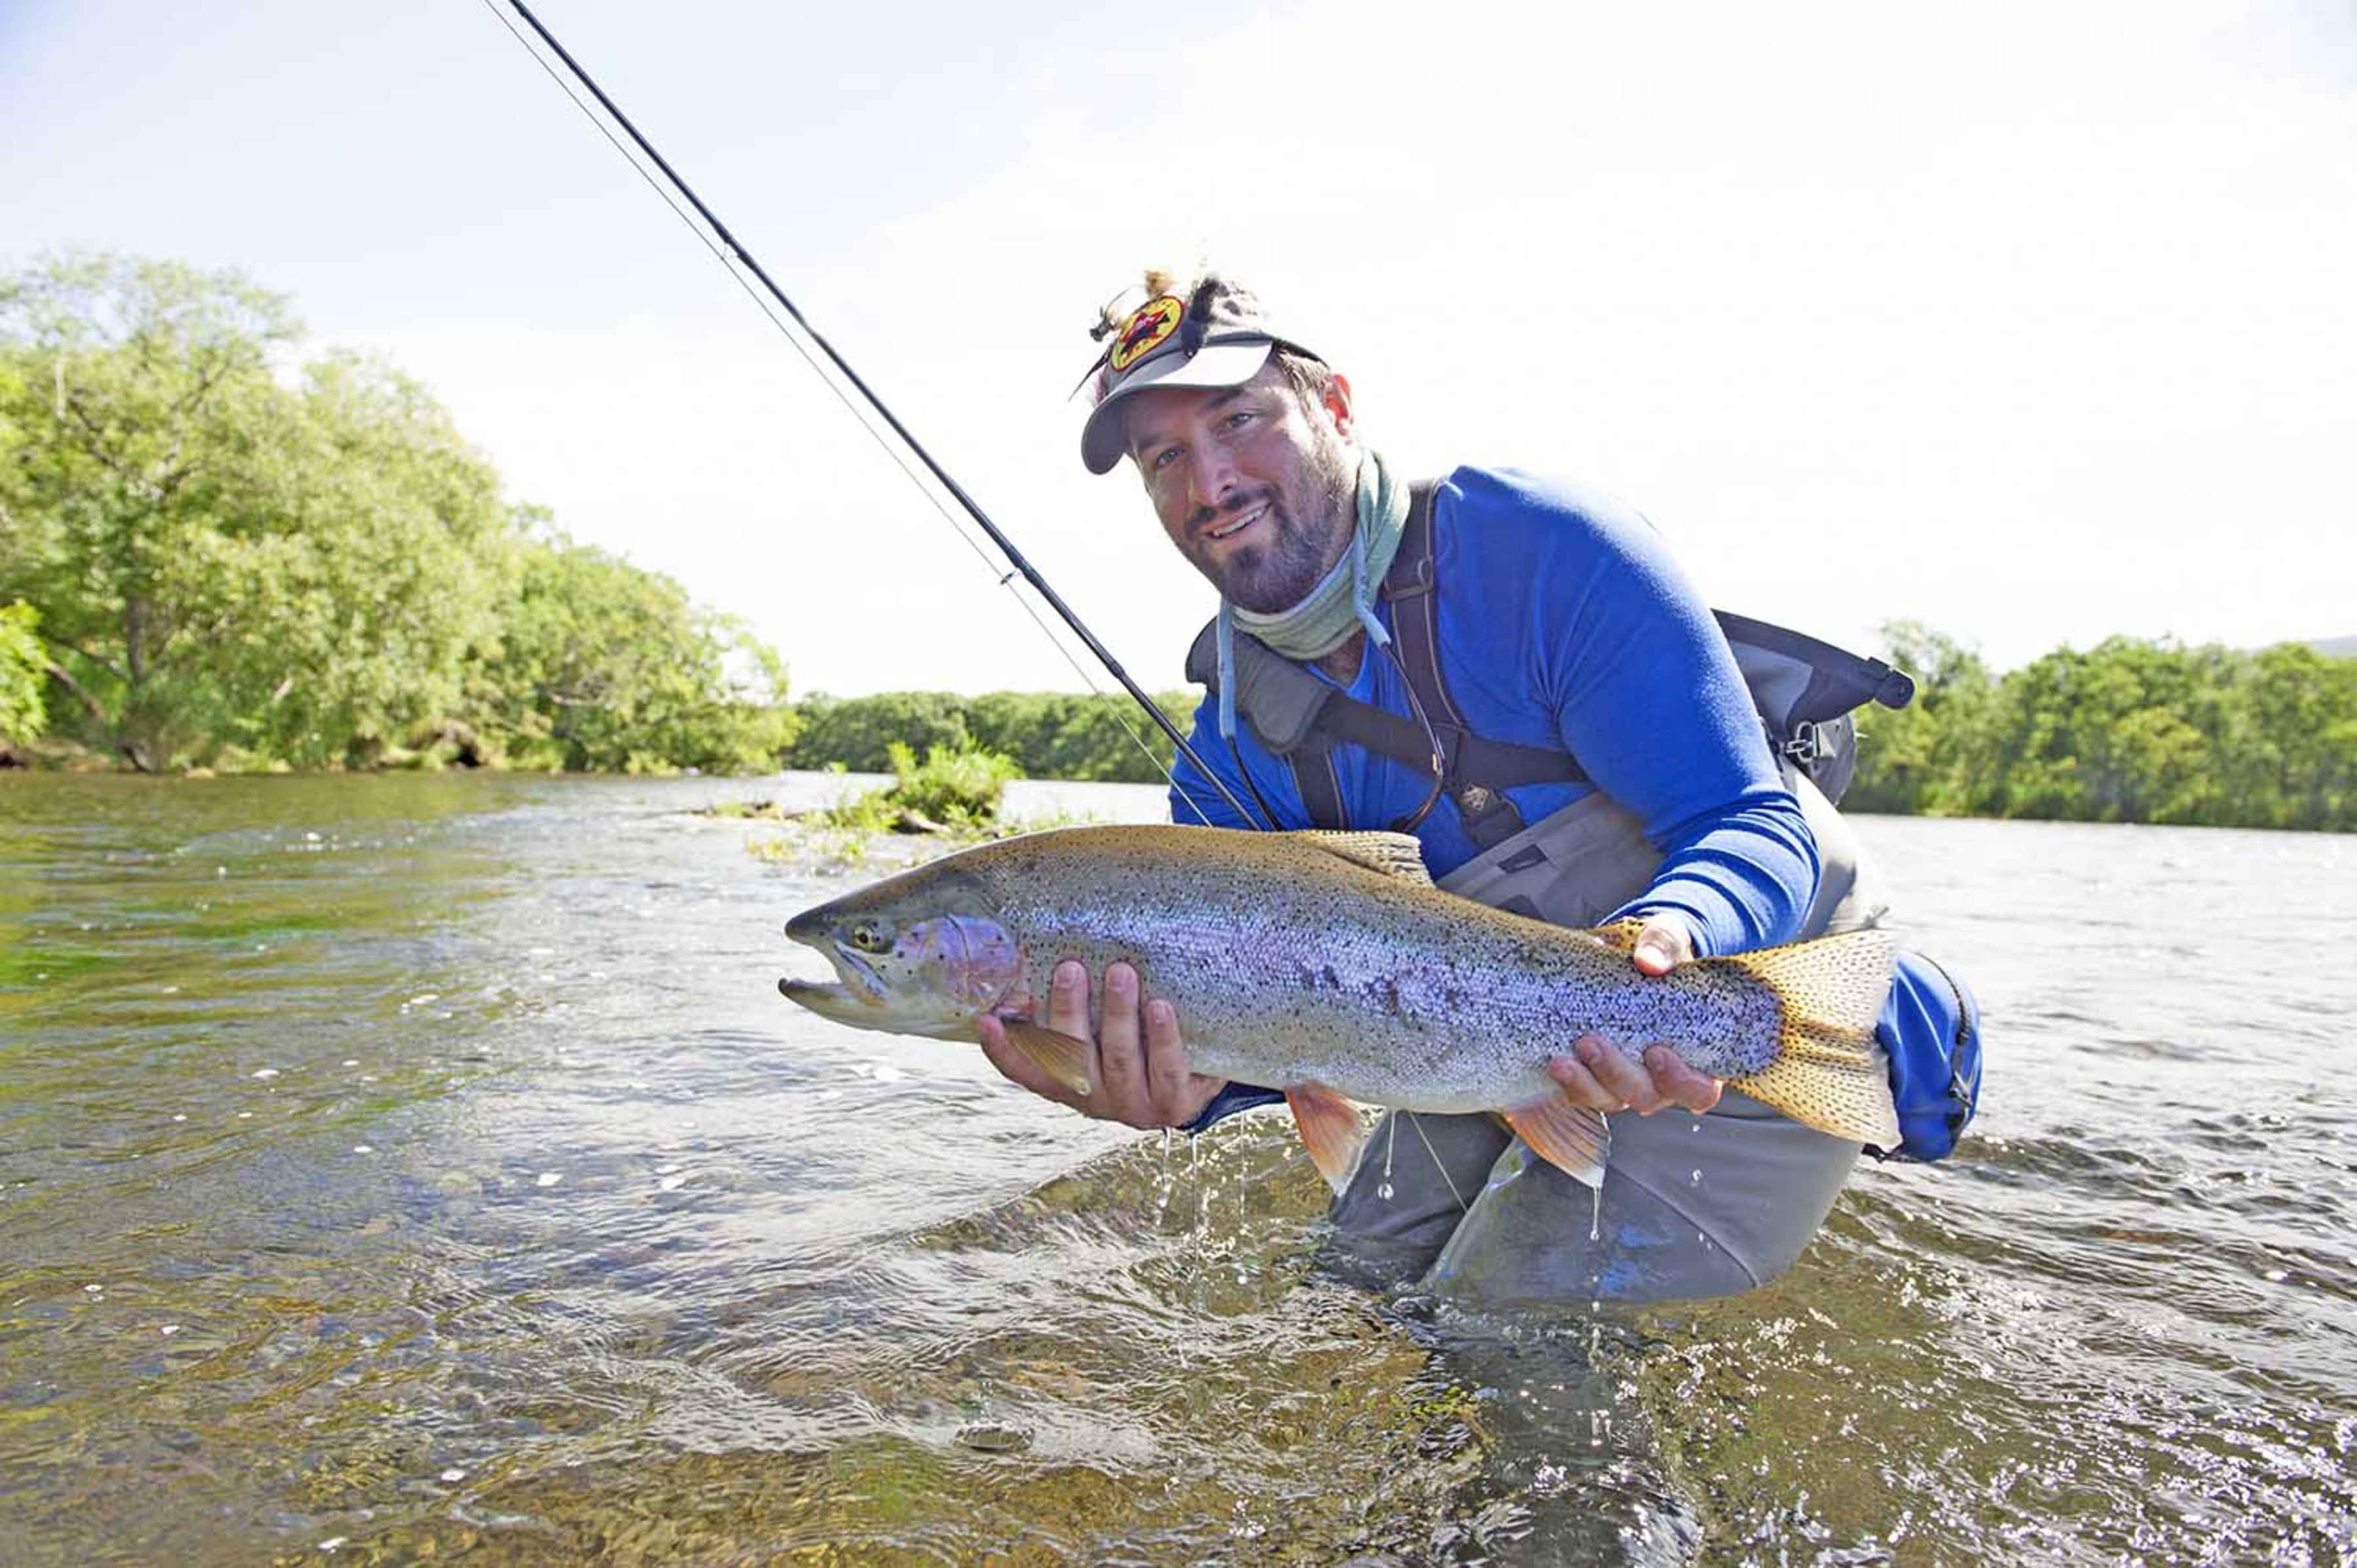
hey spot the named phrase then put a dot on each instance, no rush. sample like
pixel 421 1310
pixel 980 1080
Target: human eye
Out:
pixel 1164 457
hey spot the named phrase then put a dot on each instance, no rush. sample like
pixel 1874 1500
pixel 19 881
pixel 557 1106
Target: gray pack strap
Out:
pixel 1283 704
pixel 1300 719
pixel 1797 680
pixel 1489 817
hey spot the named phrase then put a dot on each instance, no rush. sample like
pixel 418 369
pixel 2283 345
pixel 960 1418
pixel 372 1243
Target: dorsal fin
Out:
pixel 1394 854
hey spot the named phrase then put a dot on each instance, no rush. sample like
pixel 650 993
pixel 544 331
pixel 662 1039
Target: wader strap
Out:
pixel 1490 817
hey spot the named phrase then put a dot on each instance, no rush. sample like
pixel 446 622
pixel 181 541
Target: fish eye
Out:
pixel 868 936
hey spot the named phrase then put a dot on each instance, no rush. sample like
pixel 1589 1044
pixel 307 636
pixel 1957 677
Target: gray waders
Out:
pixel 1691 1206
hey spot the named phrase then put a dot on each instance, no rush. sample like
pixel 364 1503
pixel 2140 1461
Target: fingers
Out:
pixel 1138 1073
pixel 1121 1058
pixel 1680 1084
pixel 1166 1057
pixel 1144 1061
pixel 1601 1078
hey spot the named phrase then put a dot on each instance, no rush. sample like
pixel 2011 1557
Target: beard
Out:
pixel 1309 530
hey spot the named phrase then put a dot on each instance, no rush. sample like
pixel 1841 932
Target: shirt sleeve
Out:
pixel 1647 697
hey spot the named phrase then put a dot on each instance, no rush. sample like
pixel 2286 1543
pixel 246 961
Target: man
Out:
pixel 1563 629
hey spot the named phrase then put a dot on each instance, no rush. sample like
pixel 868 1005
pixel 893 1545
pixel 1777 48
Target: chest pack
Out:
pixel 1805 691
pixel 1591 856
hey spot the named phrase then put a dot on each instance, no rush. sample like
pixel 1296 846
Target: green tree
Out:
pixel 858 732
pixel 223 562
pixel 23 671
pixel 600 665
pixel 1920 758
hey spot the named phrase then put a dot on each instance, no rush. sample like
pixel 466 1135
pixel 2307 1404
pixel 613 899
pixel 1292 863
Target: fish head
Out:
pixel 912 955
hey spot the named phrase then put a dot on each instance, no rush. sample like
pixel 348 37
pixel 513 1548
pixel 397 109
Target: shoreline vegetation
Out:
pixel 217 559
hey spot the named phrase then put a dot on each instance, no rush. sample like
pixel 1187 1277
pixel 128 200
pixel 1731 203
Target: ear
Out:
pixel 1337 404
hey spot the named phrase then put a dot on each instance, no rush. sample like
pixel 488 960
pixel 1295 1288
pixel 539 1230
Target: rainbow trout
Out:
pixel 1326 964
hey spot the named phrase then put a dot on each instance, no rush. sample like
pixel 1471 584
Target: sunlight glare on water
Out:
pixel 414 1166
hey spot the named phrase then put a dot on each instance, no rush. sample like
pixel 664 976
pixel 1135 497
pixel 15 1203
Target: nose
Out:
pixel 1212 477
pixel 809 927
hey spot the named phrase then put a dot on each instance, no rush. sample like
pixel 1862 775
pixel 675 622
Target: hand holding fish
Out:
pixel 1140 1075
pixel 1601 1078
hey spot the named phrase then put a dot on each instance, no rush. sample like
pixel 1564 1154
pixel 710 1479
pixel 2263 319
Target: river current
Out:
pixel 394 1167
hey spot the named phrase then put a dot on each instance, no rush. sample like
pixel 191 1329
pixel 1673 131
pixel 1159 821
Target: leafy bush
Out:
pixel 958 787
pixel 23 671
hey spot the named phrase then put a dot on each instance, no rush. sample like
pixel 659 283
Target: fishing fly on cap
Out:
pixel 1211 334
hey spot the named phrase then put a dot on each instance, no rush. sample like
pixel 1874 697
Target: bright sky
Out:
pixel 2030 320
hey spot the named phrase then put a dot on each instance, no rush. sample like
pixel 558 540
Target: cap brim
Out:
pixel 1105 438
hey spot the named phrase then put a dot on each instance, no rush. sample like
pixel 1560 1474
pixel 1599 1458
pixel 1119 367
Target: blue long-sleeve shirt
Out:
pixel 1564 623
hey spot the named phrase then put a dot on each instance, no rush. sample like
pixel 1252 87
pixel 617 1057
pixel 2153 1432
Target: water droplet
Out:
pixel 454 1474
pixel 1384 1192
pixel 93 1289
pixel 266 1072
pixel 168 1330
pixel 549 1178
pixel 364 1148
pixel 1695 1179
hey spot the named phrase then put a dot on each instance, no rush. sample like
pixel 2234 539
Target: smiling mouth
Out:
pixel 1236 525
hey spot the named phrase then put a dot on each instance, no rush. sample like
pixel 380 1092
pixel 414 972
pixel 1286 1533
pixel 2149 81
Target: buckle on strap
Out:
pixel 1409 579
pixel 1804 748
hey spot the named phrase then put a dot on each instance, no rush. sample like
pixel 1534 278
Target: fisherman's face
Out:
pixel 1255 490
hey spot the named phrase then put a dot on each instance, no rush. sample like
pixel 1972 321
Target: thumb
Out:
pixel 1662 945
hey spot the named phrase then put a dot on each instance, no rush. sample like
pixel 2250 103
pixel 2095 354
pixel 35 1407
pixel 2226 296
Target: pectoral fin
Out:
pixel 1570 1137
pixel 1330 1129
pixel 1059 1055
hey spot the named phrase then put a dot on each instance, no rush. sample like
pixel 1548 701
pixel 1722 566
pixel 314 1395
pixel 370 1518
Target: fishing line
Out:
pixel 715 235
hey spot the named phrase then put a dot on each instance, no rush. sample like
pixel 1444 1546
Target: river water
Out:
pixel 407 1166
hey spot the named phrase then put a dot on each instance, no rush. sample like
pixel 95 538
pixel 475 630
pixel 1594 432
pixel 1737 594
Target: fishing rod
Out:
pixel 1015 557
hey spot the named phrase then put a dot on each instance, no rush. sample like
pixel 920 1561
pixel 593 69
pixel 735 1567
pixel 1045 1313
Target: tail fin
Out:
pixel 1829 1072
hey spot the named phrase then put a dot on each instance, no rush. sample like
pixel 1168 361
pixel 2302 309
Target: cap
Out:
pixel 1215 335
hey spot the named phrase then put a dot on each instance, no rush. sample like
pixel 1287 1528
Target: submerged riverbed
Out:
pixel 405 1165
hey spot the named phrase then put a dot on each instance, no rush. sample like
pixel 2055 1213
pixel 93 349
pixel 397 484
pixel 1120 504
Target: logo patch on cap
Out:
pixel 1148 327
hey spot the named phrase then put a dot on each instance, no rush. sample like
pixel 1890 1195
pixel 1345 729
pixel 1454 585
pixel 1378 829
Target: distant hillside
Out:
pixel 2338 647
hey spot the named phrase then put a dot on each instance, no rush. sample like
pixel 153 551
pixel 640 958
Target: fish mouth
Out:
pixel 856 980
